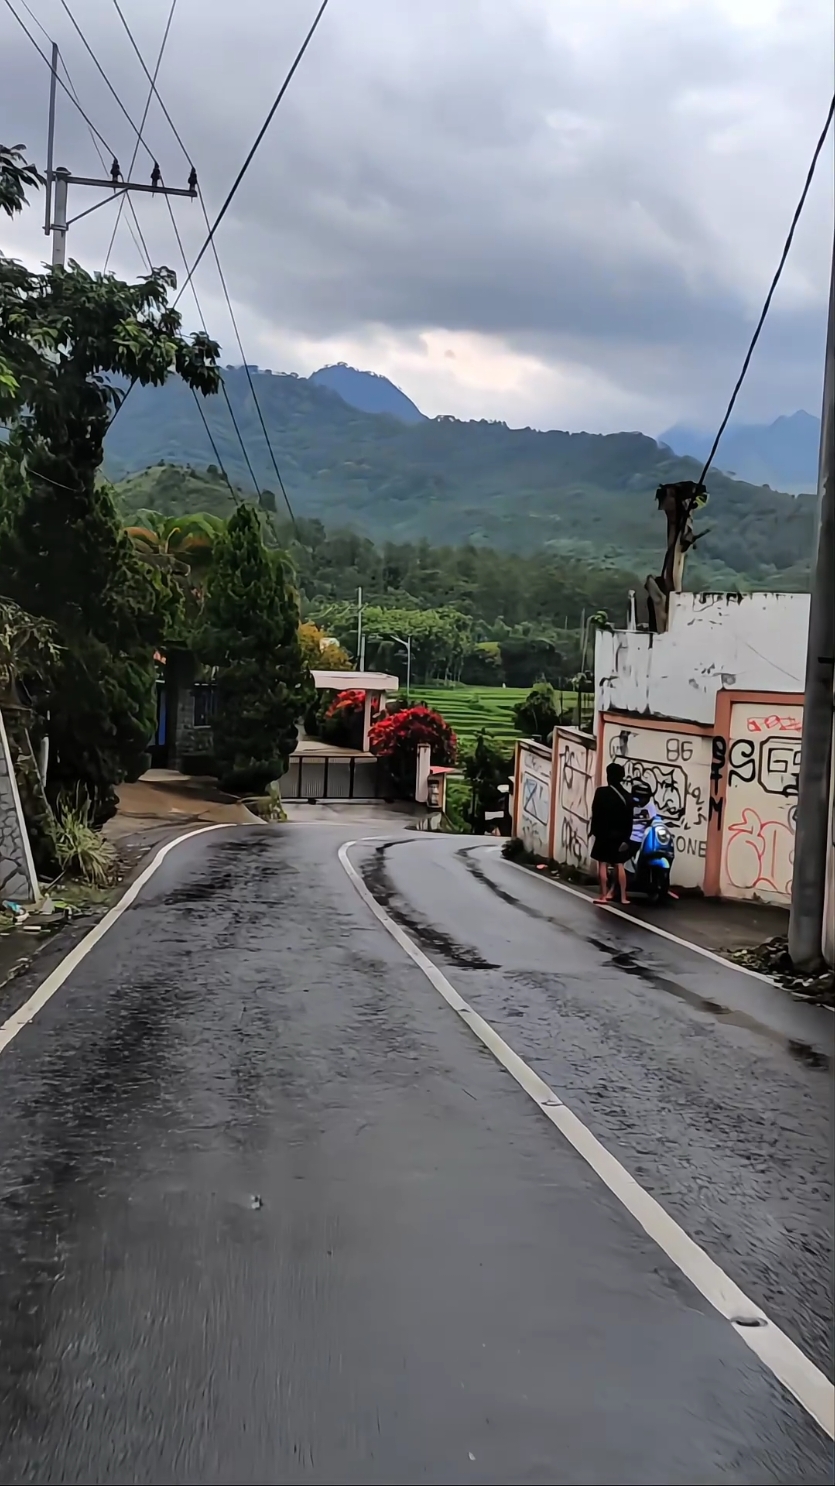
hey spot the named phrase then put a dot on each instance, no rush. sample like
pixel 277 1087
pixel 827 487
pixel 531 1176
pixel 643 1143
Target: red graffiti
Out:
pixel 775 724
pixel 759 854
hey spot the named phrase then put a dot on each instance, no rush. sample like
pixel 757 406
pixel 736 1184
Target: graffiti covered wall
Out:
pixel 533 806
pixel 759 764
pixel 576 754
pixel 676 763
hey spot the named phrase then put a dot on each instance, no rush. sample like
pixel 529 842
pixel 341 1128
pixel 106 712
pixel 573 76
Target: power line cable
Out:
pixel 72 93
pixel 227 400
pixel 152 81
pixel 151 93
pixel 135 229
pixel 260 135
pixel 137 131
pixel 770 295
pixel 88 121
pixel 267 439
pixel 221 275
pixel 221 466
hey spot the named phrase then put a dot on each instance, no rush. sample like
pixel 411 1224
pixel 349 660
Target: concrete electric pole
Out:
pixel 814 804
pixel 59 180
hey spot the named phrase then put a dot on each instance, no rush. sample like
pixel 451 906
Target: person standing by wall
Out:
pixel 611 827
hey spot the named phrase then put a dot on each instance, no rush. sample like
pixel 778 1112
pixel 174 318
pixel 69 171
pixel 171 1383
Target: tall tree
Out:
pixel 250 634
pixel 70 342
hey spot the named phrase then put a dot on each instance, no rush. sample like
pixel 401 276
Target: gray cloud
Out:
pixel 598 185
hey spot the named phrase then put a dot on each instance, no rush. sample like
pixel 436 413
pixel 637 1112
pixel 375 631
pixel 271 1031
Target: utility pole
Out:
pixel 814 803
pixel 63 180
pixel 360 642
pixel 50 138
pixel 59 180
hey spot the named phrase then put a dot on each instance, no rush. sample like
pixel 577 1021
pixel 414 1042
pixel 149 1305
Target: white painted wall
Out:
pixel 677 766
pixel 756 642
pixel 576 754
pixel 533 808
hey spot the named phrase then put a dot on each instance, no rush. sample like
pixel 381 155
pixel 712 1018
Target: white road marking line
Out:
pixel 46 990
pixel 641 923
pixel 778 1352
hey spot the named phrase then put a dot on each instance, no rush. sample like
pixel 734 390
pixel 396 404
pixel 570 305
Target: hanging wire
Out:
pixel 258 138
pixel 151 92
pixel 97 64
pixel 770 295
pixel 221 275
pixel 90 125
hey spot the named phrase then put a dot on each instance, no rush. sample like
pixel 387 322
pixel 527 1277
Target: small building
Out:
pixel 710 713
pixel 377 685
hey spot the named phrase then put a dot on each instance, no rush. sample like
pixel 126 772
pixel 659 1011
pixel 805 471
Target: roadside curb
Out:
pixel 641 923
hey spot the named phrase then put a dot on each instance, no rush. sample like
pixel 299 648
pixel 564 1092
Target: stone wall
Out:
pixel 18 879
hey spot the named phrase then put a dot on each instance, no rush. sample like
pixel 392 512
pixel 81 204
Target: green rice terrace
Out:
pixel 470 710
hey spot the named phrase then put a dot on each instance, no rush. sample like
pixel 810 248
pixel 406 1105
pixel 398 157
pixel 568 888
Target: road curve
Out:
pixel 272 1214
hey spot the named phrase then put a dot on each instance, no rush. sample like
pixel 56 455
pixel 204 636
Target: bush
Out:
pixel 250 633
pixel 81 851
pixel 538 715
pixel 514 849
pixel 342 722
pixel 487 770
pixel 396 736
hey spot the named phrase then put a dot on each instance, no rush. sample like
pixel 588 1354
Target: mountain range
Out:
pixel 368 392
pixel 454 482
pixel 782 454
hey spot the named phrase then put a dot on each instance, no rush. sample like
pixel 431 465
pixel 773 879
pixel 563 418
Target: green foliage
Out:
pixel 342 719
pixel 539 714
pixel 28 648
pixel 71 339
pixel 64 558
pixel 586 496
pixel 486 767
pixel 396 736
pixel 249 633
pixel 81 850
pixel 483 665
pixel 17 176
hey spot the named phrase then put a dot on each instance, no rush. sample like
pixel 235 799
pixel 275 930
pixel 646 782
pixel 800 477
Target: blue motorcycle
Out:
pixel 648 870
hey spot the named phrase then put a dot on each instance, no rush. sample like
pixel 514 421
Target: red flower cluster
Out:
pixel 396 736
pixel 345 703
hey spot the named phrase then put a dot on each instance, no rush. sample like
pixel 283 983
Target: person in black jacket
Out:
pixel 611 827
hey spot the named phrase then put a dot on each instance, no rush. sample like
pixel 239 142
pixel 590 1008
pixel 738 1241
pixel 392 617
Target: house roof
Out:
pixel 354 681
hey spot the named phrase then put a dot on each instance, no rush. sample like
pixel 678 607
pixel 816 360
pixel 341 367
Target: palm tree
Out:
pixel 184 545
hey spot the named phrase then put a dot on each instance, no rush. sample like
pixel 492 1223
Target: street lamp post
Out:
pixel 407 646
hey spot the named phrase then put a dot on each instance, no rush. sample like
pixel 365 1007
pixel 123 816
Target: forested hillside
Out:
pixel 585 495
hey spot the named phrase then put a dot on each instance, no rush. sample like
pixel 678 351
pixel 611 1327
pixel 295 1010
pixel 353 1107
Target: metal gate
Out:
pixel 329 776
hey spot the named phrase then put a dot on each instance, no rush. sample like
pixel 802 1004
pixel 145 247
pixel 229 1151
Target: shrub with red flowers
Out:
pixel 342 722
pixel 395 737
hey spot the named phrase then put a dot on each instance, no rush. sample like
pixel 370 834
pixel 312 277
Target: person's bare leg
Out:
pixel 605 890
pixel 624 896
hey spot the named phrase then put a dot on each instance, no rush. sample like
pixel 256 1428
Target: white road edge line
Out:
pixel 54 981
pixel 778 1352
pixel 641 923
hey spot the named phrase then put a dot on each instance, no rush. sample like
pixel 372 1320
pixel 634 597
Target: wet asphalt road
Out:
pixel 272 1214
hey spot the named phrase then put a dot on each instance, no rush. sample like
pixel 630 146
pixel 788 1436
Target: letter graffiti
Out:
pixel 535 799
pixel 775 724
pixel 759 854
pixel 718 760
pixel 779 766
pixel 743 765
pixel 574 803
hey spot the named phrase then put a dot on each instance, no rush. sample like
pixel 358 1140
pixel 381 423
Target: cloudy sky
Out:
pixel 562 213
